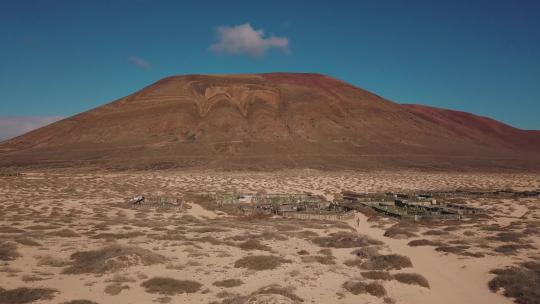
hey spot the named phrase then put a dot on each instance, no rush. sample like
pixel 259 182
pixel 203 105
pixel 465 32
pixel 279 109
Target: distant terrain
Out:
pixel 270 122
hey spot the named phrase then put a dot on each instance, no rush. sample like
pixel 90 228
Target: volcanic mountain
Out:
pixel 271 121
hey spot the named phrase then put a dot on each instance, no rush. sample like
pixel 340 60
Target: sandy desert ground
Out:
pixel 69 237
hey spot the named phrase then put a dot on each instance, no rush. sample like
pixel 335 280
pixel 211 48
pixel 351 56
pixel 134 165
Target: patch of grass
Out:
pixel 10 229
pixel 412 279
pixel 27 241
pixel 378 275
pixel 117 236
pixel 321 259
pixel 520 282
pixel 345 240
pixel 8 251
pixel 114 289
pixel 26 295
pixel 357 287
pixel 253 244
pixel 260 262
pixel 228 283
pixel 170 286
pixel 511 249
pixel 508 237
pixel 51 261
pixel 268 294
pixel 424 242
pixel 387 262
pixel 366 252
pixel 111 258
pixel 64 233
pixel 401 230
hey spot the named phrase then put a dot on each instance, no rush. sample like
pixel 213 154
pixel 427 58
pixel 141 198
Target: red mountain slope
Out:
pixel 272 121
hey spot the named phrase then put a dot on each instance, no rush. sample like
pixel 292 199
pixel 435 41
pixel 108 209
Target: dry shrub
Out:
pixel 269 294
pixel 26 295
pixel 321 259
pixel 27 241
pixel 51 261
pixel 366 252
pixel 508 237
pixel 80 302
pixel 209 229
pixel 31 278
pixel 357 287
pixel 111 258
pixel 42 227
pixel 511 249
pixel 345 240
pixel 260 262
pixel 228 283
pixel 64 233
pixel 10 229
pixel 435 232
pixel 452 249
pixel 117 236
pixel 412 279
pixel 253 244
pixel 519 282
pixel 387 262
pixel 424 242
pixel 378 275
pixel 8 251
pixel 170 286
pixel 114 289
pixel 401 231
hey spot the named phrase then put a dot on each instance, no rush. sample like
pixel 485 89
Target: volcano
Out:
pixel 271 121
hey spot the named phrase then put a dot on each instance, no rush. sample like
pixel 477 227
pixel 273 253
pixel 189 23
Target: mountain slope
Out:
pixel 271 121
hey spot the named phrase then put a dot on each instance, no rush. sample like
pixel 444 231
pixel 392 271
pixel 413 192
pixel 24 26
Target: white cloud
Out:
pixel 11 126
pixel 243 39
pixel 139 62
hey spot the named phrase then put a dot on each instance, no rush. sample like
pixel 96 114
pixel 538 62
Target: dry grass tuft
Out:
pixel 112 258
pixel 387 262
pixel 357 287
pixel 321 259
pixel 27 241
pixel 519 282
pixel 253 244
pixel 345 240
pixel 260 262
pixel 26 295
pixel 228 283
pixel 401 230
pixel 64 233
pixel 51 261
pixel 8 251
pixel 378 275
pixel 269 294
pixel 412 279
pixel 170 286
pixel 424 242
pixel 114 289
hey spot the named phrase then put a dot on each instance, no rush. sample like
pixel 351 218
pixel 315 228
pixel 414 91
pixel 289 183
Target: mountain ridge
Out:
pixel 271 121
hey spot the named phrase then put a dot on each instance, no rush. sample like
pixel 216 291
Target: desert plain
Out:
pixel 71 237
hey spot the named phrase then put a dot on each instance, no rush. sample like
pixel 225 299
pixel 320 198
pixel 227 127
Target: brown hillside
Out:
pixel 271 121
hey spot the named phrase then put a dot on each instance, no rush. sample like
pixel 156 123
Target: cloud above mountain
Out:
pixel 139 62
pixel 11 126
pixel 244 39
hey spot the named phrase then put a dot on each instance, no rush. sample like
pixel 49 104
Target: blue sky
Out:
pixel 58 58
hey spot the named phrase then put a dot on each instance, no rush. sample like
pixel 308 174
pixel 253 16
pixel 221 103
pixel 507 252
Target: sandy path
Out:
pixel 453 279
